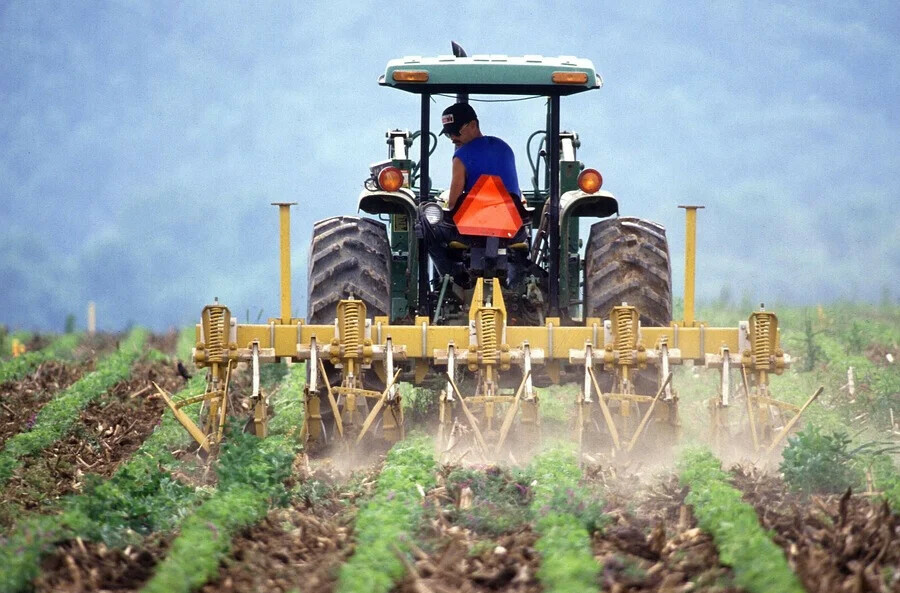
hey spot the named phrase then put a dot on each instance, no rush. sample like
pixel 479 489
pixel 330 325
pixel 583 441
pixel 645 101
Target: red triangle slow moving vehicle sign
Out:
pixel 488 210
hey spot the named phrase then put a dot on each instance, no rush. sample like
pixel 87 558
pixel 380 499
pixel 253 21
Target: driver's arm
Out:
pixel 457 183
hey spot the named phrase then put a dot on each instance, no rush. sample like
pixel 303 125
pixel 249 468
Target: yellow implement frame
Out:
pixel 487 347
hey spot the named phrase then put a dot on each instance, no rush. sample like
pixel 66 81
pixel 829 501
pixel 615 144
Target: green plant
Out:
pixel 419 403
pixel 562 506
pixel 138 497
pixel 251 479
pixel 16 368
pixel 385 524
pixel 288 401
pixel 816 462
pixel 58 416
pixel 500 499
pixel 759 565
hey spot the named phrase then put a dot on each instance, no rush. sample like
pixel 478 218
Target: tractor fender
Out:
pixel 599 204
pixel 379 201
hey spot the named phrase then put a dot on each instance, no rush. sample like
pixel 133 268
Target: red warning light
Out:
pixel 488 210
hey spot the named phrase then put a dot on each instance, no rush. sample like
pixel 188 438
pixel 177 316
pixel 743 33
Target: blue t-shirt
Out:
pixel 489 155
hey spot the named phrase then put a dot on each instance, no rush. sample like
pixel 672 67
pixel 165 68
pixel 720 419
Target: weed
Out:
pixel 817 462
pixel 500 499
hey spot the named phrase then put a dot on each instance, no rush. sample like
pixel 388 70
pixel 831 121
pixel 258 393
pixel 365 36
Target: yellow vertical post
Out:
pixel 690 261
pixel 284 211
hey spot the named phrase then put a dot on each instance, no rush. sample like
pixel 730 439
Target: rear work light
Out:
pixel 570 77
pixel 390 179
pixel 590 181
pixel 410 76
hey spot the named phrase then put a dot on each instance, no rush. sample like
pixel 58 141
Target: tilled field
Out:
pixel 108 431
pixel 469 528
pixel 650 543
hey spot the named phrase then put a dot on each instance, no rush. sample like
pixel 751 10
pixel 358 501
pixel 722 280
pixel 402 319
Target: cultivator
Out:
pixel 510 316
pixel 606 357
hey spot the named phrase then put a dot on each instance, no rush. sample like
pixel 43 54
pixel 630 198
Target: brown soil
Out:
pixel 108 432
pixel 836 544
pixel 20 401
pixel 653 543
pixel 466 563
pixel 77 566
pixel 293 547
pixel 96 346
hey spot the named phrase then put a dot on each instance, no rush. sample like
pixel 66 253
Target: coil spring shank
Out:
pixel 488 338
pixel 625 340
pixel 216 332
pixel 763 327
pixel 350 316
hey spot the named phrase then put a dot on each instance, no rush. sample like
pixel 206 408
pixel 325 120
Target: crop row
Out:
pixel 141 497
pixel 57 417
pixel 566 514
pixel 759 564
pixel 251 474
pixel 387 521
pixel 16 368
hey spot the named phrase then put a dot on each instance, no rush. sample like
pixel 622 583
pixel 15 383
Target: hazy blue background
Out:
pixel 141 143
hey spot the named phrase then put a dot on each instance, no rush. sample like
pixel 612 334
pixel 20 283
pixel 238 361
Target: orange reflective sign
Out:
pixel 488 210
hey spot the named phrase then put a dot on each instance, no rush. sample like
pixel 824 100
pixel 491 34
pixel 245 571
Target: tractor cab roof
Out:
pixel 492 74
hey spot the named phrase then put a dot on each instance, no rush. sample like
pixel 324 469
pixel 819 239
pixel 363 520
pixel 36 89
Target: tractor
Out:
pixel 601 317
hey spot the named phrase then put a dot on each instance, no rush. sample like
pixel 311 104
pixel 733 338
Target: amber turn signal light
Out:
pixel 410 76
pixel 570 77
pixel 390 179
pixel 590 181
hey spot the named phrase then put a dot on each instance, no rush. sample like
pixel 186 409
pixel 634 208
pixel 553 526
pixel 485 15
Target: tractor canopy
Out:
pixel 492 74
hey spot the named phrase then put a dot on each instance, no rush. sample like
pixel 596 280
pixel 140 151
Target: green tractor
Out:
pixel 530 308
pixel 384 262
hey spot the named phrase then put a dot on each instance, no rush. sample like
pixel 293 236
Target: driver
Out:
pixel 475 155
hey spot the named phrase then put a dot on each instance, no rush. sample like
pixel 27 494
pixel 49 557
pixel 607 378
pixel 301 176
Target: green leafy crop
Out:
pixel 140 497
pixel 565 512
pixel 57 417
pixel 759 565
pixel 16 368
pixel 385 523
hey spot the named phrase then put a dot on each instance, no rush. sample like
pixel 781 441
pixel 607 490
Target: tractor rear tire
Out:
pixel 348 255
pixel 627 260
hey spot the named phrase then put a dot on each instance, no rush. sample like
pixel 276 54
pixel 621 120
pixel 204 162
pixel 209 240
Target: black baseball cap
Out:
pixel 455 117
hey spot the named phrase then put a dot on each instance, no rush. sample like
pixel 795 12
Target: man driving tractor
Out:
pixel 475 155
